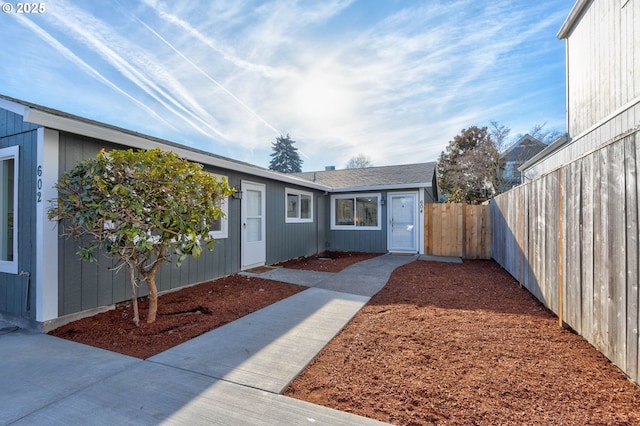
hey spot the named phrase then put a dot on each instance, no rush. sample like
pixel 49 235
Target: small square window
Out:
pixel 299 206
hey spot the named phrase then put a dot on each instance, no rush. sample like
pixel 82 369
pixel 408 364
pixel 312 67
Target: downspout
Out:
pixel 27 304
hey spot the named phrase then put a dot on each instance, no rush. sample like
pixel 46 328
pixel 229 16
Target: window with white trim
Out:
pixel 219 228
pixel 8 210
pixel 298 206
pixel 356 211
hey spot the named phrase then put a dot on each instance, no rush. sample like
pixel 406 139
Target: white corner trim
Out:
pixel 46 276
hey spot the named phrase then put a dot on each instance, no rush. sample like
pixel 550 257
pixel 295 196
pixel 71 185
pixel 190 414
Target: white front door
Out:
pixel 254 247
pixel 403 222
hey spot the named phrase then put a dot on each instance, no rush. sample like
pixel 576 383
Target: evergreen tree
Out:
pixel 285 156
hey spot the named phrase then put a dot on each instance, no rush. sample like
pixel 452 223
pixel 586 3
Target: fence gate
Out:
pixel 459 230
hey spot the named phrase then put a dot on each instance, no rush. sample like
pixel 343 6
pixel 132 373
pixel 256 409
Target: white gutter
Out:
pixel 574 15
pixel 381 187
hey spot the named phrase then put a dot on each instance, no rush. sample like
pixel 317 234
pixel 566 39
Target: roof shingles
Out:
pixel 405 174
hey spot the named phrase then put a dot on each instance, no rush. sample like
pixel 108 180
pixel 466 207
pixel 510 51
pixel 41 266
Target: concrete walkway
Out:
pixel 231 375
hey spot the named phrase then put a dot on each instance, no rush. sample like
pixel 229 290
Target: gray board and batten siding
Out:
pixel 17 295
pixel 78 290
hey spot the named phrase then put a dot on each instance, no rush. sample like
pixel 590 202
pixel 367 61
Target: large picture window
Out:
pixel 8 210
pixel 355 211
pixel 220 226
pixel 298 206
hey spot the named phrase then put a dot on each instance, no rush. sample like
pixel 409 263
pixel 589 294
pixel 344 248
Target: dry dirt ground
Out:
pixel 439 344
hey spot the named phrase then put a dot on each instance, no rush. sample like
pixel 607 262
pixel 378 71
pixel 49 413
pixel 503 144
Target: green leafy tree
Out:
pixel 360 161
pixel 285 156
pixel 141 208
pixel 468 169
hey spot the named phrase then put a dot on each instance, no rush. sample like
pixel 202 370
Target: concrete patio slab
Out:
pixel 448 259
pixel 153 394
pixel 38 370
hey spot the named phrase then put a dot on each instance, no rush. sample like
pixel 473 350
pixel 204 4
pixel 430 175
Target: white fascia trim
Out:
pixel 382 187
pixel 46 277
pixel 113 135
pixel 13 107
pixel 574 14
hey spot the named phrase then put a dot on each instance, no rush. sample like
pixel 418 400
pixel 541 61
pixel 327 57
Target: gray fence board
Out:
pixel 600 256
pixel 587 220
pixel 617 269
pixel 572 302
pixel 632 152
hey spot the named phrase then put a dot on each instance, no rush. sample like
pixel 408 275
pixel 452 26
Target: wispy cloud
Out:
pixel 136 65
pixel 68 54
pixel 393 80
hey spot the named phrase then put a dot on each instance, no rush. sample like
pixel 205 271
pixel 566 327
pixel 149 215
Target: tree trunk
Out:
pixel 134 296
pixel 151 284
pixel 153 297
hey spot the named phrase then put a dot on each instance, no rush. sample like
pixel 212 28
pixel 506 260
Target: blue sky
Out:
pixel 394 80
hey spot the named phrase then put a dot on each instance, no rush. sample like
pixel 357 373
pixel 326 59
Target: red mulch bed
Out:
pixel 327 261
pixel 182 315
pixel 465 344
pixel 192 311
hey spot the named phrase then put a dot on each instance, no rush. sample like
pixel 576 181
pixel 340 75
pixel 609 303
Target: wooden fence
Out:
pixel 458 230
pixel 571 238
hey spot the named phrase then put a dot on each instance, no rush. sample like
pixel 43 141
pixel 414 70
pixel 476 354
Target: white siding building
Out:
pixel 603 80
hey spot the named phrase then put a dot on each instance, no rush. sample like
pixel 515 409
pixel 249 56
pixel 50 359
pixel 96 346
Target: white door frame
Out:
pixel 253 253
pixel 418 223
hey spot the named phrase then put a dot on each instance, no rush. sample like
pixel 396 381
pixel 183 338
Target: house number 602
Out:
pixel 39 184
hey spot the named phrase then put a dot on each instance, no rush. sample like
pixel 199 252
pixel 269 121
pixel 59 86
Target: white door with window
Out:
pixel 403 222
pixel 254 248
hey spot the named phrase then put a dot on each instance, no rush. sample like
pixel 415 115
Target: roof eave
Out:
pixel 385 187
pixel 573 18
pixel 122 137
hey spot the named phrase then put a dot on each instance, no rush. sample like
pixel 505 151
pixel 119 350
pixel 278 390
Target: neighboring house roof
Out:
pixel 375 178
pixel 550 149
pixel 58 120
pixel 525 148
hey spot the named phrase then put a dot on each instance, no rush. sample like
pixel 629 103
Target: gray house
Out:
pixel 44 284
pixel 516 155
